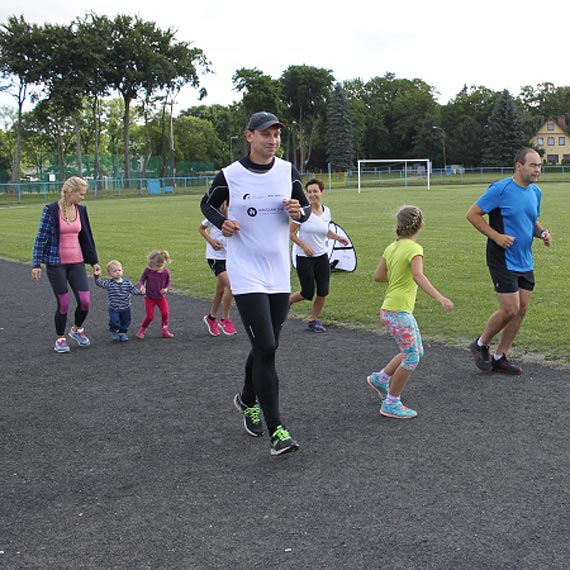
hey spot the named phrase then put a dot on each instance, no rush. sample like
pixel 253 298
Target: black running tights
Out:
pixel 263 316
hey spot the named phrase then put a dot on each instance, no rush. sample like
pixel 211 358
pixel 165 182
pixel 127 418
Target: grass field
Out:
pixel 454 257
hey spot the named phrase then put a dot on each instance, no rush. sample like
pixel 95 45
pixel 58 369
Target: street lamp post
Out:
pixel 442 145
pixel 172 161
pixel 234 138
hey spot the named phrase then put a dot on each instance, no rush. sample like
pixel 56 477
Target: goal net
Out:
pixel 393 172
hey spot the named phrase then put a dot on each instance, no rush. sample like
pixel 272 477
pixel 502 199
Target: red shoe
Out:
pixel 211 325
pixel 227 327
pixel 166 333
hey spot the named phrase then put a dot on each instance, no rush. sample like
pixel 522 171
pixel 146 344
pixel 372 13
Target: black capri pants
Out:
pixel 311 271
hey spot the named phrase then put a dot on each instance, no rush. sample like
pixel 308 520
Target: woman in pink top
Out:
pixel 64 243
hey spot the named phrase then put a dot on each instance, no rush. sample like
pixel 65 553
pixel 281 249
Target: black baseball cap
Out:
pixel 263 120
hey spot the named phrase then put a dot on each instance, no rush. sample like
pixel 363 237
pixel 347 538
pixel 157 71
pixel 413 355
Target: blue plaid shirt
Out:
pixel 46 245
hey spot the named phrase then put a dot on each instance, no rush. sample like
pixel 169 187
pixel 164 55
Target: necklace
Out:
pixel 64 208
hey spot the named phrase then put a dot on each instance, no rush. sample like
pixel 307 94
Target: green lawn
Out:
pixel 454 256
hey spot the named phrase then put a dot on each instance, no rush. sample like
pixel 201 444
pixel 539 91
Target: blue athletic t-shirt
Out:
pixel 513 210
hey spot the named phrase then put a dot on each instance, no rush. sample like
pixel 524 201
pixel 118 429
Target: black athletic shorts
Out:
pixel 217 265
pixel 507 281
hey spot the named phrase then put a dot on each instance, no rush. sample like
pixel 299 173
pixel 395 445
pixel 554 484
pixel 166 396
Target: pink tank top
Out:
pixel 69 248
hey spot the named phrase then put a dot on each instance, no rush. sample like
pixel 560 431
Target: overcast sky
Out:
pixel 446 44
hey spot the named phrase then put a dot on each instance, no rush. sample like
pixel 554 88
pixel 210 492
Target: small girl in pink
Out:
pixel 154 284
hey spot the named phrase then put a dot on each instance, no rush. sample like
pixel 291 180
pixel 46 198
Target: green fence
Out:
pixel 107 188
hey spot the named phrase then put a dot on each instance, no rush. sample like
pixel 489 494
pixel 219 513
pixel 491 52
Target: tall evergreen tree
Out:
pixel 504 133
pixel 339 137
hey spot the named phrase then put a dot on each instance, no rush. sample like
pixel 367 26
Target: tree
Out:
pixel 63 70
pixel 260 92
pixel 8 119
pixel 544 102
pixel 197 141
pixel 55 124
pixel 355 93
pixel 305 90
pixel 464 119
pixel 229 124
pixel 504 134
pixel 94 33
pixel 21 50
pixel 394 110
pixel 467 147
pixel 429 141
pixel 339 140
pixel 146 58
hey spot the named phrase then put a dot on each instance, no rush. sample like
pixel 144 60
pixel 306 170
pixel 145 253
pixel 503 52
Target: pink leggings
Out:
pixel 149 305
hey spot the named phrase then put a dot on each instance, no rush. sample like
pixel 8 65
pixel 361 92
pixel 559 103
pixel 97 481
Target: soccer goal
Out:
pixel 393 172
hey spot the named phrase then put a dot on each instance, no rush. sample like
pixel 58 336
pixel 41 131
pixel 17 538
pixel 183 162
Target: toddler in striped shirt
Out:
pixel 120 290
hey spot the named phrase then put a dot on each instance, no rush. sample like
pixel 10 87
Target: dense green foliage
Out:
pixel 504 135
pixel 340 142
pixel 107 87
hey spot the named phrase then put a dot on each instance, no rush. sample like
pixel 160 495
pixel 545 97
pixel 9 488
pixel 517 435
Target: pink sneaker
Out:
pixel 211 325
pixel 227 327
pixel 166 333
pixel 141 333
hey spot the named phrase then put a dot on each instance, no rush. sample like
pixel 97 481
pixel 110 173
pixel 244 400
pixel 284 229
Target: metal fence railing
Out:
pixel 108 187
pixel 122 188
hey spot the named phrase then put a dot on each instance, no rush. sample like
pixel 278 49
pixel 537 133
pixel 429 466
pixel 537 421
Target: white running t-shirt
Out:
pixel 258 254
pixel 314 232
pixel 215 234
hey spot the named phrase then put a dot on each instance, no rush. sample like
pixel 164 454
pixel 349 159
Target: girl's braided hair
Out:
pixel 408 221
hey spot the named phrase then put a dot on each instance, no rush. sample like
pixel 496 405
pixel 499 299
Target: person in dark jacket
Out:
pixel 64 243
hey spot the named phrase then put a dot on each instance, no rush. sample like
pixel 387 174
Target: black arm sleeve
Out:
pixel 298 193
pixel 218 193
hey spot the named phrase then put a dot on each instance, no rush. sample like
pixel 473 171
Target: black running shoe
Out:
pixel 505 367
pixel 481 356
pixel 282 442
pixel 251 417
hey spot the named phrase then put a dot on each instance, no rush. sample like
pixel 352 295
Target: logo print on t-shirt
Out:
pixel 251 212
pixel 246 196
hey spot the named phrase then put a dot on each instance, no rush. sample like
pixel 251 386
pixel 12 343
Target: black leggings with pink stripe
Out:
pixel 74 274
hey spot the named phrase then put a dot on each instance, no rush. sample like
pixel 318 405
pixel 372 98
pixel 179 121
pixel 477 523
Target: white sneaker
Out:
pixel 61 345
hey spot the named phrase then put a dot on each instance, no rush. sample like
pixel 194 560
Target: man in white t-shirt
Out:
pixel 263 194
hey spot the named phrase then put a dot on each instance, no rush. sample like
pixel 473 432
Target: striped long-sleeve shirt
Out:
pixel 119 292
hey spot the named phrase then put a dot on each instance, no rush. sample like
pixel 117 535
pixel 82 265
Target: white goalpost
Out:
pixel 403 172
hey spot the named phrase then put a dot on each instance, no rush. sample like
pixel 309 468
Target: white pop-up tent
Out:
pixel 341 257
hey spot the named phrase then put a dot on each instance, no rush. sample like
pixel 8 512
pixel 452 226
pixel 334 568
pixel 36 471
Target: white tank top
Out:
pixel 258 255
pixel 314 233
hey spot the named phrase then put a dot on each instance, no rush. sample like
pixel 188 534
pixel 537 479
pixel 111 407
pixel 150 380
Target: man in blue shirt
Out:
pixel 513 207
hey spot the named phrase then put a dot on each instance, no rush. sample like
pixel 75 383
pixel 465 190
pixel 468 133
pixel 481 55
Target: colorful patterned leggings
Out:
pixel 404 330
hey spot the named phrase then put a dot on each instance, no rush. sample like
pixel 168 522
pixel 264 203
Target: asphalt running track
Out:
pixel 131 456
